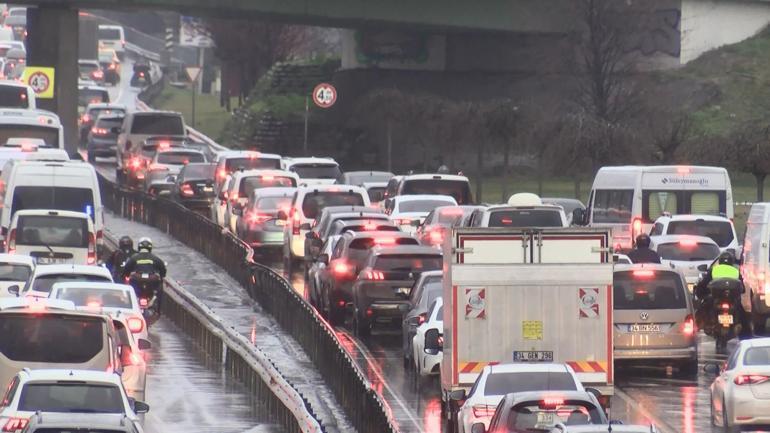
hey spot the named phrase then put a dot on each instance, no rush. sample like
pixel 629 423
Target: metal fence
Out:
pixel 362 404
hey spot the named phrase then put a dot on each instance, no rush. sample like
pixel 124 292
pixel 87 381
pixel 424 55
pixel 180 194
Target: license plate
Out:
pixel 50 260
pixel 280 222
pixel 403 290
pixel 145 276
pixel 544 419
pixel 725 319
pixel 208 189
pixel 643 328
pixel 533 356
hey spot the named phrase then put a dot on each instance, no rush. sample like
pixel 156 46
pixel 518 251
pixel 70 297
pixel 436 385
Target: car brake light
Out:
pixel 135 324
pixel 683 170
pixel 86 118
pixel 187 190
pixel 12 242
pixel 552 402
pixel 142 302
pixel 257 218
pixel 14 424
pixel 750 379
pixel 37 307
pixel 688 243
pixel 483 411
pixel 341 268
pixel 403 221
pixel 724 306
pixel 94 305
pixel 268 178
pixel 636 229
pixel 436 236
pixel 99 131
pixel 128 357
pixel 369 312
pixel 688 327
pixel 374 275
pixel 222 173
pixel 295 223
pixel 91 249
pixel 135 163
pixel 384 241
pixel 643 273
pixel 113 66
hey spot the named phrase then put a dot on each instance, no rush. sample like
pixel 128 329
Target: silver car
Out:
pixel 654 317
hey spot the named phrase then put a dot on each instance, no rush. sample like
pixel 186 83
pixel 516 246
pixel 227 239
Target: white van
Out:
pixel 14 94
pixel 628 199
pixel 37 125
pixel 53 237
pixel 65 186
pixel 755 265
pixel 112 38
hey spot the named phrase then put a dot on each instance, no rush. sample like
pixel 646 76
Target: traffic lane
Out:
pixel 188 394
pixel 210 284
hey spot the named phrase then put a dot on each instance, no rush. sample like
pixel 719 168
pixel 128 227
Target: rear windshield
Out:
pixel 532 417
pixel 448 216
pixel 376 193
pixel 459 189
pixel 274 203
pixel 526 218
pixel 50 338
pixel 686 252
pixel 315 202
pixel 421 205
pixel 49 134
pixel 180 158
pixel 316 171
pixel 720 232
pixel 43 283
pixel 108 298
pixel 246 163
pixel 648 290
pixel 13 97
pixel 198 171
pixel 59 198
pixel 92 96
pixel 249 184
pixel 504 383
pixel 158 125
pixel 366 228
pixel 108 123
pixel 368 243
pixel 408 262
pixel 9 272
pixel 71 397
pixel 54 231
pixel 757 356
pixel 109 34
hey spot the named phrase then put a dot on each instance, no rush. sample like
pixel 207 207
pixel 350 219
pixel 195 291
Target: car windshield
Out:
pixel 53 231
pixel 648 290
pixel 526 218
pixel 504 383
pixel 108 298
pixel 408 262
pixel 315 202
pixel 433 289
pixel 543 416
pixel 688 251
pixel 180 158
pixel 421 205
pixel 12 272
pixel 459 189
pixel 198 171
pixel 448 216
pixel 13 97
pixel 316 171
pixel 43 283
pixel 49 134
pixel 157 124
pixel 274 203
pixel 255 163
pixel 75 397
pixel 51 338
pixel 92 96
pixel 59 198
pixel 249 184
pixel 720 232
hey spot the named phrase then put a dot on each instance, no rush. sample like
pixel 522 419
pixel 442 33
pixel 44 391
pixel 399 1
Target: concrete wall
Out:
pixel 708 24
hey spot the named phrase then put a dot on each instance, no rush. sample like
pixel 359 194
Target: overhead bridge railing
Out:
pixel 362 404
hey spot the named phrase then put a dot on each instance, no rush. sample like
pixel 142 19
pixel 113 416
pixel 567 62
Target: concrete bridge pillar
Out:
pixel 52 40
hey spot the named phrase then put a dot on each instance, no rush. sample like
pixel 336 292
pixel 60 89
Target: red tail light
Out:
pixel 688 327
pixel 187 190
pixel 643 273
pixel 385 241
pixel 99 131
pixel 436 236
pixel 86 118
pixel 113 66
pixel 688 243
pixel 369 312
pixel 97 75
pixel 135 163
pixel 128 357
pixel 135 324
pixel 99 237
pixel 341 268
pixel 91 249
pixel 750 379
pixel 222 173
pixel 636 228
pixel 12 242
pixel 295 223
pixel 143 302
pixel 14 424
pixel 257 218
pixel 724 306
pixel 483 411
pixel 374 275
pixel 551 402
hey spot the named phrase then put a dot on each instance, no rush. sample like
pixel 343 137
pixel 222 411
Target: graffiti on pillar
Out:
pixel 398 49
pixel 657 32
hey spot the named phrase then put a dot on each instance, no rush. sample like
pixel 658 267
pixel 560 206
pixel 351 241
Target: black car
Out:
pixel 102 138
pixel 194 187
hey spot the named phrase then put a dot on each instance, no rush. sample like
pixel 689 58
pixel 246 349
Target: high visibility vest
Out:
pixel 725 271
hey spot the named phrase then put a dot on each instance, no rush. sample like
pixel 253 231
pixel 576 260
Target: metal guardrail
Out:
pixel 241 359
pixel 363 405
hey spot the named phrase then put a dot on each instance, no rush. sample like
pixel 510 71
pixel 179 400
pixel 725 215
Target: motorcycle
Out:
pixel 719 311
pixel 147 287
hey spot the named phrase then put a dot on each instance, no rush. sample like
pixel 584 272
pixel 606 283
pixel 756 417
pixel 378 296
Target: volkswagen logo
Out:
pixel 644 315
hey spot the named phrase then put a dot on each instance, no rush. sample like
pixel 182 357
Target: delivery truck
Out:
pixel 525 295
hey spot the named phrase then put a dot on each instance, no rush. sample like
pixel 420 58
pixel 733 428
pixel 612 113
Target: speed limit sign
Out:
pixel 324 95
pixel 41 80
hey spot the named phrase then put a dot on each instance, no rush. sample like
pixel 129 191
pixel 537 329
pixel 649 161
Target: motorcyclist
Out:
pixel 722 268
pixel 144 261
pixel 119 257
pixel 642 253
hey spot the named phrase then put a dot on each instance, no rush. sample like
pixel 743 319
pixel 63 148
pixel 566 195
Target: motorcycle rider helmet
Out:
pixel 726 258
pixel 643 241
pixel 443 169
pixel 126 243
pixel 145 244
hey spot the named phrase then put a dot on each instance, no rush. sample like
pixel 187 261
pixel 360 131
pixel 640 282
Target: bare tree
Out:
pixel 502 119
pixel 669 132
pixel 749 151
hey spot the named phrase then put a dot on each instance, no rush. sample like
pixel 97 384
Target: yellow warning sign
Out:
pixel 41 80
pixel 532 329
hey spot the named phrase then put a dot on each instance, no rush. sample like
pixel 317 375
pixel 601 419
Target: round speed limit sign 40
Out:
pixel 40 79
pixel 324 95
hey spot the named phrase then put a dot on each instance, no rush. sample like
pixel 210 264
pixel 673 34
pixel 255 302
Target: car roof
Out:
pixel 265 172
pixel 668 239
pixel 364 220
pixel 92 285
pixel 334 187
pixel 17 259
pixel 52 212
pixel 60 374
pixel 24 303
pixel 693 217
pixel 756 342
pixel 225 154
pixel 379 234
pixel 520 397
pixel 623 267
pixel 309 160
pixel 72 269
pixel 179 149
pixel 350 209
pixel 421 197
pixel 86 421
pixel 404 249
pixel 516 367
pixel 435 176
pixel 106 105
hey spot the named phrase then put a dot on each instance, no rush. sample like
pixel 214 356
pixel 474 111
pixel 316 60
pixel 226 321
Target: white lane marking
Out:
pixel 662 426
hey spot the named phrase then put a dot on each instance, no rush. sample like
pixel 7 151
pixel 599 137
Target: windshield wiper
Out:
pixel 49 248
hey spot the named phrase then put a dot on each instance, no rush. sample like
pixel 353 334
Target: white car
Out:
pixel 116 300
pixel 65 391
pixel 720 229
pixel 313 171
pixel 15 270
pixel 740 394
pixel 132 358
pixel 408 211
pixel 243 185
pixel 428 363
pixel 496 381
pixel 45 277
pixel 52 236
pixel 604 428
pixel 685 253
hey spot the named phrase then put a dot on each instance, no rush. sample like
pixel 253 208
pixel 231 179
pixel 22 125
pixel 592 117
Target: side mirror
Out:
pixel 144 344
pixel 141 407
pixel 703 268
pixel 323 258
pixel 578 217
pixel 457 395
pixel 282 215
pixel 432 345
pixel 14 290
pixel 478 428
pixel 305 226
